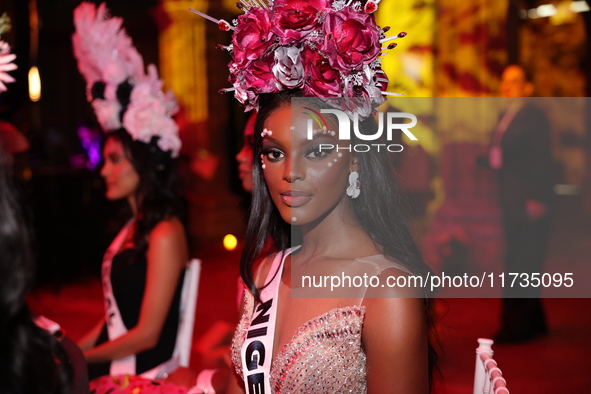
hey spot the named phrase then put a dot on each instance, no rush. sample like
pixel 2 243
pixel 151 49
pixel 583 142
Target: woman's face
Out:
pixel 306 180
pixel 244 157
pixel 120 177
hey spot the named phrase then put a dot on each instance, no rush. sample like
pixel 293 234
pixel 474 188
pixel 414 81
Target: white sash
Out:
pixel 257 350
pixel 114 321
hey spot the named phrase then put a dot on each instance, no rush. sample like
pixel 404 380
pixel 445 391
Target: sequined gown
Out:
pixel 325 354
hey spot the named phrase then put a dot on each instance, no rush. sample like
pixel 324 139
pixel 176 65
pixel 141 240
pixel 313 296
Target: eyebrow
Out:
pixel 273 140
pixel 112 155
pixel 320 135
pixel 304 141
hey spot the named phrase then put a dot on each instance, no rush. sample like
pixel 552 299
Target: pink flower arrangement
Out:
pixel 327 48
pixel 352 39
pixel 6 64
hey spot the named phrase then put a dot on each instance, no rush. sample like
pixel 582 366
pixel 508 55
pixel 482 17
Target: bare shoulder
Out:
pixel 398 319
pixel 170 229
pixel 411 306
pixel 168 241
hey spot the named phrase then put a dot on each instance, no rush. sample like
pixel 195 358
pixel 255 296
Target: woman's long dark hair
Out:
pixel 158 194
pixel 379 209
pixel 31 360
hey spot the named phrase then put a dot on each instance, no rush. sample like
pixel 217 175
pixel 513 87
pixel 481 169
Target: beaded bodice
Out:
pixel 324 355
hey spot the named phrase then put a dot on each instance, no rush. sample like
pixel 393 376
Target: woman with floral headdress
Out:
pixel 323 315
pixel 142 271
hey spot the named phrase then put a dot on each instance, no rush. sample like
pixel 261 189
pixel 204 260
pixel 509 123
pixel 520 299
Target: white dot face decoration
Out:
pixel 263 166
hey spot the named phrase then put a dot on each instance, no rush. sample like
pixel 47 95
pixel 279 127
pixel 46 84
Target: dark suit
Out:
pixel 527 173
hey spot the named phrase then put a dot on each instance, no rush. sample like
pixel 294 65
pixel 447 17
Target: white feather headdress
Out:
pixel 110 63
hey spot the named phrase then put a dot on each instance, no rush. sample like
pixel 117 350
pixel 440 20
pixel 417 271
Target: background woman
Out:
pixel 245 155
pixel 147 265
pixel 142 269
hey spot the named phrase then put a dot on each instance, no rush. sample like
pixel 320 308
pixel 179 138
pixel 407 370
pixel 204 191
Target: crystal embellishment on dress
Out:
pixel 324 355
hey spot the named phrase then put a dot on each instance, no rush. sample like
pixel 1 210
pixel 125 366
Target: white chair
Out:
pixel 184 338
pixel 488 378
pixel 181 354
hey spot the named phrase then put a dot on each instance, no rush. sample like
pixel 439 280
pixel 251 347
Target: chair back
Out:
pixel 488 378
pixel 184 337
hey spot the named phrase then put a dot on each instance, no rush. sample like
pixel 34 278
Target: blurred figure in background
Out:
pixel 35 354
pixel 32 360
pixel 12 141
pixel 245 156
pixel 521 152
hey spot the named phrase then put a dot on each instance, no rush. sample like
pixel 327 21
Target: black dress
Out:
pixel 128 279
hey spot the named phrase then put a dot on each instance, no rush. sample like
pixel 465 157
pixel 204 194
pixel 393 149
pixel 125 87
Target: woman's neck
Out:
pixel 337 235
pixel 132 201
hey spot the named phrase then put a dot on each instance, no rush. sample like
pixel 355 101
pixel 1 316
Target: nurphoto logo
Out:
pixel 393 121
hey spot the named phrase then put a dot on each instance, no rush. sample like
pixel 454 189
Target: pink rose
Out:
pixel 252 36
pixel 259 77
pixel 352 39
pixel 169 139
pixel 141 119
pixel 322 80
pixel 288 69
pixel 294 19
pixel 141 92
pixel 107 114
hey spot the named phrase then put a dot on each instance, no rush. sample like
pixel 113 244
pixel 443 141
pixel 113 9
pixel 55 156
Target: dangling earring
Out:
pixel 354 188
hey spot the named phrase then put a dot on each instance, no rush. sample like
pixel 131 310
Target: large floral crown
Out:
pixel 326 48
pixel 120 91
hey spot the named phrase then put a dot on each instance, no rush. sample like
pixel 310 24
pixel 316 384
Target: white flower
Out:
pixel 169 140
pixel 141 118
pixel 107 114
pixel 141 93
pixel 6 65
pixel 147 116
pixel 288 68
pixel 170 104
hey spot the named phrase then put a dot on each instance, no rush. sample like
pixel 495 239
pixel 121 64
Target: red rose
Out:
pixel 352 39
pixel 294 19
pixel 258 76
pixel 252 36
pixel 322 79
